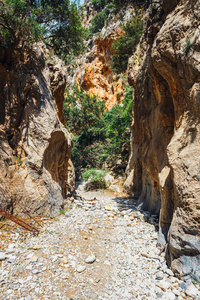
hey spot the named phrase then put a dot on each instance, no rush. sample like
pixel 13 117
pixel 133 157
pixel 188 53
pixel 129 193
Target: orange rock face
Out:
pixel 92 70
pixel 98 78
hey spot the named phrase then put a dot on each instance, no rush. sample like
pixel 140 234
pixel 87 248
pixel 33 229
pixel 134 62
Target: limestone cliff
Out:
pixel 164 167
pixel 92 70
pixel 35 148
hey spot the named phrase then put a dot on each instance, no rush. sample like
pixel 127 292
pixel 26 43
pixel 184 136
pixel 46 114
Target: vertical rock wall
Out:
pixel 35 148
pixel 164 167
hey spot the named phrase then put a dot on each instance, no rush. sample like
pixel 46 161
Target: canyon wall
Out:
pixel 92 70
pixel 164 167
pixel 35 148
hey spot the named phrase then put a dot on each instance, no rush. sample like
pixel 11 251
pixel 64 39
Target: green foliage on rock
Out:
pixel 125 45
pixel 98 21
pixel 57 23
pixel 187 45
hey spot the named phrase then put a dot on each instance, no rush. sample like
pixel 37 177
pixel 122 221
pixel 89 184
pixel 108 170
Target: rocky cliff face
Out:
pixel 35 148
pixel 94 75
pixel 92 71
pixel 164 167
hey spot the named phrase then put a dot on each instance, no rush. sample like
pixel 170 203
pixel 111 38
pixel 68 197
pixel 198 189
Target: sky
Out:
pixel 81 1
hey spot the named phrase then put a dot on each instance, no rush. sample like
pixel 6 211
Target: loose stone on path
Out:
pixel 80 268
pixel 2 256
pixel 105 251
pixel 90 259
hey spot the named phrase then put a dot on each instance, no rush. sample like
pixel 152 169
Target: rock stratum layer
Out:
pixel 35 148
pixel 164 167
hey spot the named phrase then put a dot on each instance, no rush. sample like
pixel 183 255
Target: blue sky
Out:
pixel 81 1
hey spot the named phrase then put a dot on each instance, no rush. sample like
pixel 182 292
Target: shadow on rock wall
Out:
pixel 164 166
pixel 35 149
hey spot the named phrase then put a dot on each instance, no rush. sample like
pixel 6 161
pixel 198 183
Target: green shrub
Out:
pixel 100 18
pixel 96 178
pixel 98 22
pixel 126 44
pixel 187 46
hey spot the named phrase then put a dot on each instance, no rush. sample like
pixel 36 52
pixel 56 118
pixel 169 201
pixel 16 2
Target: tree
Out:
pixel 98 134
pixel 99 4
pixel 98 22
pixel 18 27
pixel 83 114
pixel 117 126
pixel 64 30
pixel 124 46
pixel 57 23
pixel 81 110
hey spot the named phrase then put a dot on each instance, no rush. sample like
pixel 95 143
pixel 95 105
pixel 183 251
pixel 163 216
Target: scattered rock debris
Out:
pixel 117 259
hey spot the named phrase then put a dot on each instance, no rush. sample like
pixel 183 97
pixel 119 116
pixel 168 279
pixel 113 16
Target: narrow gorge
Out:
pixel 108 93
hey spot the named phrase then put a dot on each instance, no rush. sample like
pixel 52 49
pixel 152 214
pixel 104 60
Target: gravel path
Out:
pixel 99 249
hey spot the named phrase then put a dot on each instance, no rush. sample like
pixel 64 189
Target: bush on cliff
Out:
pixel 124 46
pixel 98 21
